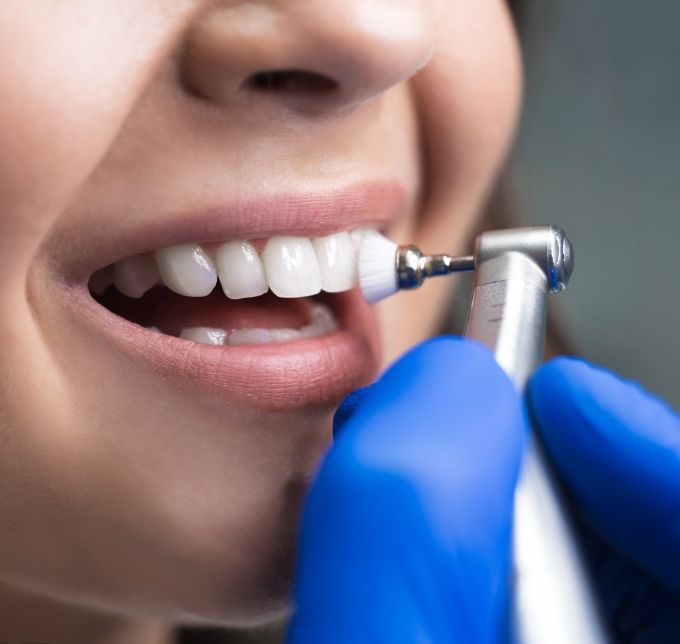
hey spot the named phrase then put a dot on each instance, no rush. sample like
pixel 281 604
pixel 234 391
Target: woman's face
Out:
pixel 143 472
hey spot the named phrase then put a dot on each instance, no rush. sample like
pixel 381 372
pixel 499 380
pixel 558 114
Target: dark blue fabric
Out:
pixel 617 449
pixel 406 531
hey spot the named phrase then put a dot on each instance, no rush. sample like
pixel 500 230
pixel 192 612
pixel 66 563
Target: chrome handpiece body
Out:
pixel 514 272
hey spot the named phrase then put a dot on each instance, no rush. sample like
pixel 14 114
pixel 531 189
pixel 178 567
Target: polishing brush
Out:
pixel 385 267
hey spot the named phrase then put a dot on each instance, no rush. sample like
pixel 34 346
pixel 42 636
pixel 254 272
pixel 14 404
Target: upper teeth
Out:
pixel 187 269
pixel 289 266
pixel 134 276
pixel 292 267
pixel 240 270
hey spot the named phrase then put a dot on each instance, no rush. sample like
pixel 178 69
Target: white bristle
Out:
pixel 377 266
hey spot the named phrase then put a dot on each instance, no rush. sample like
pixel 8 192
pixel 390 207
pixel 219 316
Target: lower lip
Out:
pixel 286 375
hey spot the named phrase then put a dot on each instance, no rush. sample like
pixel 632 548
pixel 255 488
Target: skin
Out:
pixel 129 502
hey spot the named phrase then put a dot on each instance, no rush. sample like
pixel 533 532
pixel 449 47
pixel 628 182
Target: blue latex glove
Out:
pixel 617 450
pixel 406 531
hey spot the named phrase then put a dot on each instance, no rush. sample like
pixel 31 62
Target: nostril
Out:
pixel 293 81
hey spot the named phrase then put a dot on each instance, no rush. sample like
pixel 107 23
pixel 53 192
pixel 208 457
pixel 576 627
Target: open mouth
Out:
pixel 254 301
pixel 236 292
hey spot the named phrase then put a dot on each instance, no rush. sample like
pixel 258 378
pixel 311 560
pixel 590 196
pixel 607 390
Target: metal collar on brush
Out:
pixel 413 267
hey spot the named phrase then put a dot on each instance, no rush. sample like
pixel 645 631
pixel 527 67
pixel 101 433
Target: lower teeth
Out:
pixel 204 335
pixel 321 323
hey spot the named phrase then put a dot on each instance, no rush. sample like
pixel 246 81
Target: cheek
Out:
pixel 63 101
pixel 468 100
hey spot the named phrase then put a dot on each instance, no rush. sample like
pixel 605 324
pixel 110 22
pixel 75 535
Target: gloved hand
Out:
pixel 406 531
pixel 617 449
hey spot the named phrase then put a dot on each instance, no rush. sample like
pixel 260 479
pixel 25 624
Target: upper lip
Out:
pixel 309 214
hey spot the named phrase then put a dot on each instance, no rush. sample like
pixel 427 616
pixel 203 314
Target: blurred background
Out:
pixel 599 154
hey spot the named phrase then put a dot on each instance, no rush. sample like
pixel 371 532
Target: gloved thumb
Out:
pixel 618 451
pixel 406 531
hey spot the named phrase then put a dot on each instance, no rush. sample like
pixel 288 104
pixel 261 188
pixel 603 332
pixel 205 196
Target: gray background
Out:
pixel 599 154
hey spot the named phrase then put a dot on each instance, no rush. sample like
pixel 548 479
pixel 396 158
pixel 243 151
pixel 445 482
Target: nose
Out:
pixel 306 55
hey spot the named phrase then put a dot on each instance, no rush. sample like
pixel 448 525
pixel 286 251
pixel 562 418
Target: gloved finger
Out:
pixel 347 408
pixel 406 531
pixel 618 450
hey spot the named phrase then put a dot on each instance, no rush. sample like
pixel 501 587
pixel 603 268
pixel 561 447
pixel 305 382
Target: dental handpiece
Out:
pixel 514 270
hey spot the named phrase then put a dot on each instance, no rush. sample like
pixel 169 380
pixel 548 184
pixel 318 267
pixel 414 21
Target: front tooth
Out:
pixel 134 276
pixel 357 236
pixel 337 262
pixel 322 322
pixel 284 334
pixel 187 269
pixel 250 336
pixel 240 270
pixel 291 267
pixel 261 336
pixel 204 335
pixel 322 314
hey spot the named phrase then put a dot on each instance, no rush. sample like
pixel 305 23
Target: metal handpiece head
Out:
pixel 560 262
pixel 548 246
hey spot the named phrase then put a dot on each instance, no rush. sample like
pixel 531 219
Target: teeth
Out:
pixel 263 336
pixel 204 335
pixel 187 269
pixel 134 276
pixel 284 334
pixel 250 336
pixel 291 267
pixel 322 322
pixel 357 236
pixel 337 262
pixel 240 270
